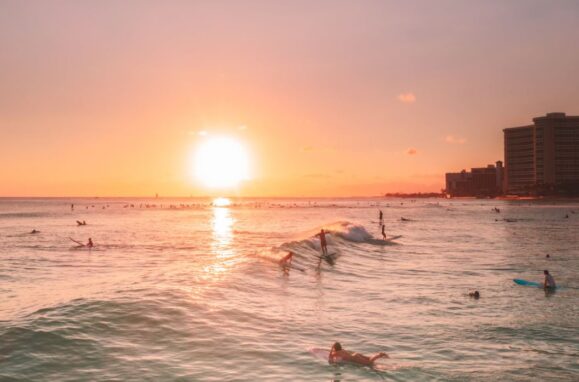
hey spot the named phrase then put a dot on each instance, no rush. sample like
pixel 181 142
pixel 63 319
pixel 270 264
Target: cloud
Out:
pixel 454 140
pixel 407 97
pixel 412 151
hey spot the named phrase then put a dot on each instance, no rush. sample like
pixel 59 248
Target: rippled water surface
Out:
pixel 194 293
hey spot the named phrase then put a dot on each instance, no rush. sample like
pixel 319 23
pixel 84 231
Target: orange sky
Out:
pixel 336 98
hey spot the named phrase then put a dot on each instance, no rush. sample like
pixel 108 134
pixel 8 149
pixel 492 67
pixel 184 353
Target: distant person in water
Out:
pixel 323 243
pixel 475 294
pixel 90 244
pixel 549 282
pixel 339 355
pixel 286 261
pixel 381 216
pixel 383 232
pixel 548 256
pixel 34 231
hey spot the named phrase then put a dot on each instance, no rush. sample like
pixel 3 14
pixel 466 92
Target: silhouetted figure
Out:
pixel 90 244
pixel 34 231
pixel 548 256
pixel 323 243
pixel 381 216
pixel 383 232
pixel 72 206
pixel 475 294
pixel 549 282
pixel 286 262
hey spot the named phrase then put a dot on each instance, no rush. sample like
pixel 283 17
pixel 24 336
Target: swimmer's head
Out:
pixel 546 272
pixel 337 346
pixel 476 294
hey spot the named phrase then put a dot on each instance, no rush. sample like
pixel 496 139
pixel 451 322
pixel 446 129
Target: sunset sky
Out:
pixel 328 98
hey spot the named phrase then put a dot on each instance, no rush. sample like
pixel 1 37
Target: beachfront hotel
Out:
pixel 543 158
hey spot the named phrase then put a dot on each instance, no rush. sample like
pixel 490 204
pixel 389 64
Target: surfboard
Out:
pixel 388 239
pixel 320 353
pixel 324 354
pixel 529 283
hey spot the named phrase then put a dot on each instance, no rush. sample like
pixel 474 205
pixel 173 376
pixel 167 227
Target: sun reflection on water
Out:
pixel 223 252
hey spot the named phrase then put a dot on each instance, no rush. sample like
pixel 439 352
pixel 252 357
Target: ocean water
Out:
pixel 194 293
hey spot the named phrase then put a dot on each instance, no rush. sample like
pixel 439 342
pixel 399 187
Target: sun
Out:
pixel 221 162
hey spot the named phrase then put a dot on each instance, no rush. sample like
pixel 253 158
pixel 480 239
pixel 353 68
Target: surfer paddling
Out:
pixel 339 355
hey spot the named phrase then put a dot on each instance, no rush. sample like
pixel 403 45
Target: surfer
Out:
pixel 475 294
pixel 34 231
pixel 286 261
pixel 381 216
pixel 323 243
pixel 339 355
pixel 549 282
pixel 383 232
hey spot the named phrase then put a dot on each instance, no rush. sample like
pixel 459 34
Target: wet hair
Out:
pixel 546 272
pixel 337 346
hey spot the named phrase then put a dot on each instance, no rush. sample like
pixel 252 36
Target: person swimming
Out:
pixel 475 294
pixel 549 282
pixel 34 231
pixel 339 355
pixel 90 244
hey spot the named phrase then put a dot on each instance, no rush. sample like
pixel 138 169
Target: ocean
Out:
pixel 182 290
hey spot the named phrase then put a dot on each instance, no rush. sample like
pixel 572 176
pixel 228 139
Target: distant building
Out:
pixel 480 181
pixel 543 158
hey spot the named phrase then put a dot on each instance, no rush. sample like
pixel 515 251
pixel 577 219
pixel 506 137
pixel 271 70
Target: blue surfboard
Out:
pixel 528 283
pixel 531 284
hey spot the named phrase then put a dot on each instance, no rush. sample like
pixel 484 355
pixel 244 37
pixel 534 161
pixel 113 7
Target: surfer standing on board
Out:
pixel 549 282
pixel 323 243
pixel 383 232
pixel 339 355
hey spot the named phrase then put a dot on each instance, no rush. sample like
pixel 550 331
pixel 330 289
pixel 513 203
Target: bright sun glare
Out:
pixel 221 162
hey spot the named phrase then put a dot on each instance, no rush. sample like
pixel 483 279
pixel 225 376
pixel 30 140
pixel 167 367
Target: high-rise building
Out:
pixel 543 158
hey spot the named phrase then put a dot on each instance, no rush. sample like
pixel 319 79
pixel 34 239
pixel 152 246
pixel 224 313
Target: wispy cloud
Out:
pixel 412 151
pixel 454 140
pixel 407 97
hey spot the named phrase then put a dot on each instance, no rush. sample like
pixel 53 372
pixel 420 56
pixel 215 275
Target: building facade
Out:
pixel 543 158
pixel 480 181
